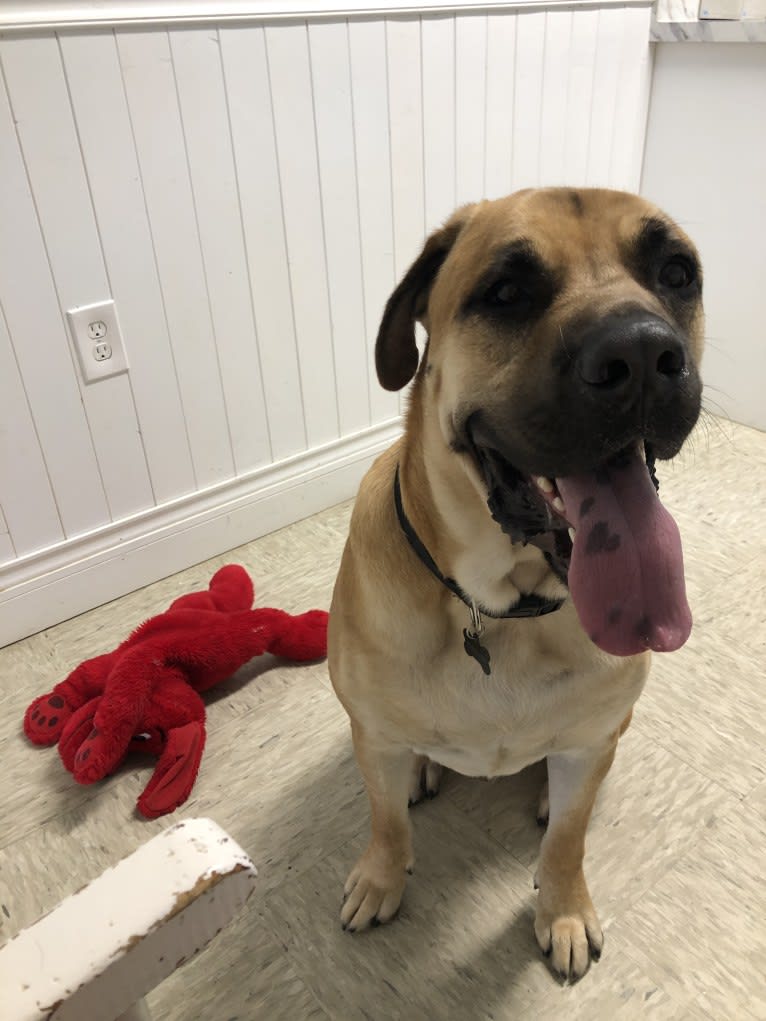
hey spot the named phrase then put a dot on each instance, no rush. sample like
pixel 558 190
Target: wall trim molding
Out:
pixel 57 583
pixel 25 17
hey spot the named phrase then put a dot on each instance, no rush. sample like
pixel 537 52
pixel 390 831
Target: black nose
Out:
pixel 630 352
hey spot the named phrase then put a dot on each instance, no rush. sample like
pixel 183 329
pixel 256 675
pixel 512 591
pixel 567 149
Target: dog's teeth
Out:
pixel 572 533
pixel 545 484
pixel 558 504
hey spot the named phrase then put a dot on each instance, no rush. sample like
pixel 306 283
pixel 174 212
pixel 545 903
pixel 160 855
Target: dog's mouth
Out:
pixel 607 534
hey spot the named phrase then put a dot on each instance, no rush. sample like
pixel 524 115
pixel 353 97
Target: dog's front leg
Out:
pixel 566 924
pixel 375 885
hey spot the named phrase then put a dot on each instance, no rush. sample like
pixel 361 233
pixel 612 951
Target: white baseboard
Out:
pixel 55 584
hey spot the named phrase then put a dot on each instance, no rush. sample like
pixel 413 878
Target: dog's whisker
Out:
pixel 717 389
pixel 713 421
pixel 713 409
pixel 718 347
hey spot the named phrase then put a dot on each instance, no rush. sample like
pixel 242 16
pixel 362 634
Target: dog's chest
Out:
pixel 491 733
pixel 528 706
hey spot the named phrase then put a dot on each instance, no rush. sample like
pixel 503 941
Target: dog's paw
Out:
pixel 373 891
pixel 570 935
pixel 425 781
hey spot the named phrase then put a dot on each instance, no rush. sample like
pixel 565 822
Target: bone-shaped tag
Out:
pixel 474 648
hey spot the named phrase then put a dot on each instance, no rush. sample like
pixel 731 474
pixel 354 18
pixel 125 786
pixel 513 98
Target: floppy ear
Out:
pixel 396 353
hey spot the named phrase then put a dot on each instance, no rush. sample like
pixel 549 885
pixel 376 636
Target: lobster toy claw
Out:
pixel 145 694
pixel 300 638
pixel 47 716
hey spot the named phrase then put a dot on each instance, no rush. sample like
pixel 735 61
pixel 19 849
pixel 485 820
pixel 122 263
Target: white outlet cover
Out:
pixel 80 319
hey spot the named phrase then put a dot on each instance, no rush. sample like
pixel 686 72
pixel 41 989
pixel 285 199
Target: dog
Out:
pixel 509 566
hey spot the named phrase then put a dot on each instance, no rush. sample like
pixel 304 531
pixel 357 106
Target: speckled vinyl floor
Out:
pixel 676 850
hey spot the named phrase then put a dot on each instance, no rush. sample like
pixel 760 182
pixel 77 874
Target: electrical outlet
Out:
pixel 97 329
pixel 96 334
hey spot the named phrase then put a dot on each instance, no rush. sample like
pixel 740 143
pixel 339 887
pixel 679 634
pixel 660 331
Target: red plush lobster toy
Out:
pixel 144 694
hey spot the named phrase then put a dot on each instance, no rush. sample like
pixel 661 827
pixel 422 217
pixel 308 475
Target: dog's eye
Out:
pixel 676 273
pixel 508 294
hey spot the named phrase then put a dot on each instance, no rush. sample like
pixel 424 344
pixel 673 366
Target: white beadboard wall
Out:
pixel 248 194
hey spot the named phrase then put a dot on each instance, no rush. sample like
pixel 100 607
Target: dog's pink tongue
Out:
pixel 627 574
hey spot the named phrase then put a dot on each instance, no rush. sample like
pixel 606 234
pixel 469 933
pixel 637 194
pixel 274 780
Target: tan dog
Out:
pixel 564 334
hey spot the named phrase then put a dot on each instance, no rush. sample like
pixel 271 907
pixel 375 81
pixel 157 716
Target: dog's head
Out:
pixel 565 334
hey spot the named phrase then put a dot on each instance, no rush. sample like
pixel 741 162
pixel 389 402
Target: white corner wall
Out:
pixel 248 193
pixel 705 163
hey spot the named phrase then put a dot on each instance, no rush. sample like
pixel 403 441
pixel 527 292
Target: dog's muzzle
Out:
pixel 630 358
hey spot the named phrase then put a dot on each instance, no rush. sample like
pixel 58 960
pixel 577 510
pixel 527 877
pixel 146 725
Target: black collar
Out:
pixel 527 606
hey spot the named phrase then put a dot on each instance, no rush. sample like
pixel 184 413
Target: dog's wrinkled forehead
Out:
pixel 535 263
pixel 564 234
